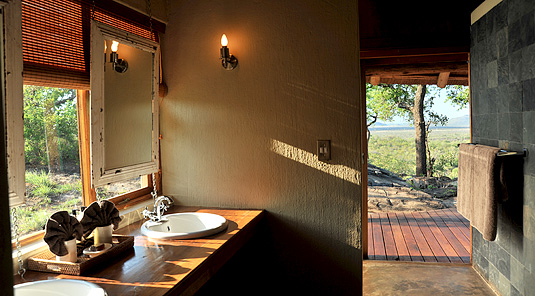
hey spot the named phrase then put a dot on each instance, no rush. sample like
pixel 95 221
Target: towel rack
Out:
pixel 504 152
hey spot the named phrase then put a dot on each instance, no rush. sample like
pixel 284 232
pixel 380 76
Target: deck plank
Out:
pixel 461 254
pixel 378 241
pixel 456 231
pixel 412 246
pixel 399 239
pixel 434 236
pixel 371 248
pixel 423 245
pixel 459 221
pixel 434 244
pixel 388 236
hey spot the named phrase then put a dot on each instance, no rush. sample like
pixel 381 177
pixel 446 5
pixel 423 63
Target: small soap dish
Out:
pixel 94 251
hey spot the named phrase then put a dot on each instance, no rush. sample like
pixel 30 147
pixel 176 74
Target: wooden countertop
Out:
pixel 173 267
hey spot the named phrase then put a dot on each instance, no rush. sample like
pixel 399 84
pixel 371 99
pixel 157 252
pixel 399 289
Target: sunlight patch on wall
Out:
pixel 311 160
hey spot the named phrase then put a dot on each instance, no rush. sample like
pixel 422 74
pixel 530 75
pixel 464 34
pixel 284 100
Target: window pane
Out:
pixel 117 188
pixel 52 158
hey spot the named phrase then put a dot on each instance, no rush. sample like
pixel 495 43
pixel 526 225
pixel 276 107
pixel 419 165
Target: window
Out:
pixel 52 157
pixel 53 177
pixel 57 170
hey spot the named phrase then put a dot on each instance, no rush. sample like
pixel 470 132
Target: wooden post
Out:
pixel 84 139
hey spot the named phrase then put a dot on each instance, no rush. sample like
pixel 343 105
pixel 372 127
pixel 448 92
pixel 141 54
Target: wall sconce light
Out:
pixel 119 65
pixel 228 61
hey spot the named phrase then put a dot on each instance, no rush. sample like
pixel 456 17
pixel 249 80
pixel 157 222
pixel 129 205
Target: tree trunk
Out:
pixel 52 145
pixel 419 126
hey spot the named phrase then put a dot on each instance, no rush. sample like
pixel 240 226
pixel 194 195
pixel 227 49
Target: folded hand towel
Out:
pixel 100 213
pixel 61 227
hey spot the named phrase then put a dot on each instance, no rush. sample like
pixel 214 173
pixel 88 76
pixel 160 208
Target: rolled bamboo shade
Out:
pixel 56 40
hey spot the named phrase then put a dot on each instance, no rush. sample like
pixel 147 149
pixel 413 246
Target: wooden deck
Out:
pixel 435 236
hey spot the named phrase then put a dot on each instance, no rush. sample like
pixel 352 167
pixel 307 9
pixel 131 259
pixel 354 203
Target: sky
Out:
pixel 441 107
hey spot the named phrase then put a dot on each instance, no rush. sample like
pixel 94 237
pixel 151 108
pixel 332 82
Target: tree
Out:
pixel 50 126
pixel 385 102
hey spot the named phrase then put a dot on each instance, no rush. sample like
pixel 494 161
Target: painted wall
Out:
pixel 246 138
pixel 502 73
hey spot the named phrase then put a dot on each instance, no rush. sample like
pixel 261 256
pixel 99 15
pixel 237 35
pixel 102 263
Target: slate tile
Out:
pixel 517 274
pixel 504 263
pixel 528 28
pixel 515 292
pixel 493 253
pixel 514 93
pixel 504 126
pixel 515 66
pixel 528 62
pixel 503 71
pixel 502 42
pixel 516 127
pixel 516 41
pixel 528 95
pixel 528 119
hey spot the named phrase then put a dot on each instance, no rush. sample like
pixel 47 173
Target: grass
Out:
pixel 45 196
pixel 394 150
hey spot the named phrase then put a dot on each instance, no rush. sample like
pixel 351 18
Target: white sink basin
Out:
pixel 184 226
pixel 59 288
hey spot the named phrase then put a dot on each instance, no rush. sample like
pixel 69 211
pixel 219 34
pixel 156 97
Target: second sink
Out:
pixel 185 226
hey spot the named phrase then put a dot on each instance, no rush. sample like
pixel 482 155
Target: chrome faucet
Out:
pixel 159 208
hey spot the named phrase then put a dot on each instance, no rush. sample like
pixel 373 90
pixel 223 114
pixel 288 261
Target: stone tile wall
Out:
pixel 502 69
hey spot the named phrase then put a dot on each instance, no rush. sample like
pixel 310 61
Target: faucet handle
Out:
pixel 147 214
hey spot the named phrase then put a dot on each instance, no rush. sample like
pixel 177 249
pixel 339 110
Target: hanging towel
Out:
pixel 479 187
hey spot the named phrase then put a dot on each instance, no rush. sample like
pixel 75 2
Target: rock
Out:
pixel 387 192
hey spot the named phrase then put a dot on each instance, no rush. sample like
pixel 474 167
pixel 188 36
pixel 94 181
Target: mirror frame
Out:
pixel 100 176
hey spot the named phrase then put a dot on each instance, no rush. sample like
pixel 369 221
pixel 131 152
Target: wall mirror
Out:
pixel 124 105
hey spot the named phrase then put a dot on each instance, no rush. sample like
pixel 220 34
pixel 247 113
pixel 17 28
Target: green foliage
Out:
pixel 458 95
pixel 394 151
pixel 386 101
pixel 53 108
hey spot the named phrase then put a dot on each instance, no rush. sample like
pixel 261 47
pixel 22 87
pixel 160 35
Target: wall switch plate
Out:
pixel 324 150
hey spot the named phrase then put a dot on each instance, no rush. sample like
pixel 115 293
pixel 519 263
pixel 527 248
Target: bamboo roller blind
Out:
pixel 56 40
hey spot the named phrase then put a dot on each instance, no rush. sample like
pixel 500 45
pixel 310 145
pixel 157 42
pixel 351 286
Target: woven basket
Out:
pixel 46 260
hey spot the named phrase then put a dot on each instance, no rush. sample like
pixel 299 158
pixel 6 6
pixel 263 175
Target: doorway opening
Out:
pixel 413 134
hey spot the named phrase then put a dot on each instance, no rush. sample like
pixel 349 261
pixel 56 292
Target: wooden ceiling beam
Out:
pixel 416 69
pixel 443 79
pixel 375 79
pixel 430 59
pixel 370 53
pixel 419 80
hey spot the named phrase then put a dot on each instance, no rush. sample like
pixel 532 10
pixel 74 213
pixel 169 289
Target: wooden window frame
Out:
pixel 122 201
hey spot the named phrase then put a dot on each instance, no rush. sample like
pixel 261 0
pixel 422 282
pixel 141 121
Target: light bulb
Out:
pixel 224 40
pixel 114 46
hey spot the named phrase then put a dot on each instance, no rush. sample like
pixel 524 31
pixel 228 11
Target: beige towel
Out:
pixel 479 187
